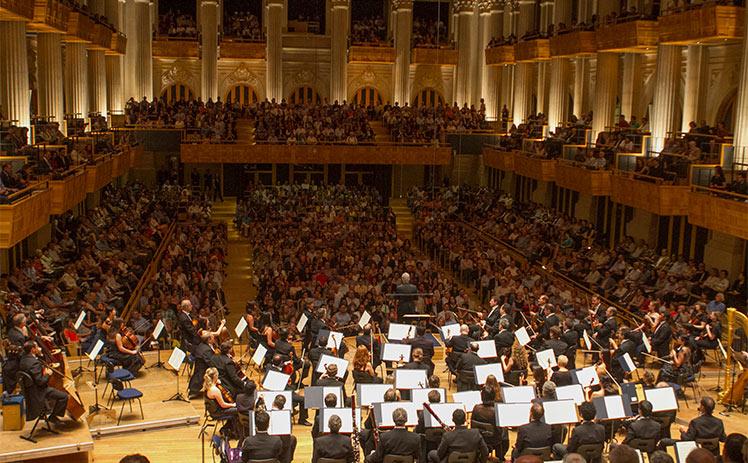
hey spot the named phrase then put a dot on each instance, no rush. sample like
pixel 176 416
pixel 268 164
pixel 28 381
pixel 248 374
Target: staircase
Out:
pixel 245 131
pixel 403 218
pixel 381 134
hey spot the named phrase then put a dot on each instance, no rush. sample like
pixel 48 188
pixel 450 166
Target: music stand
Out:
pixel 97 408
pixel 175 361
pixel 156 333
pixel 80 369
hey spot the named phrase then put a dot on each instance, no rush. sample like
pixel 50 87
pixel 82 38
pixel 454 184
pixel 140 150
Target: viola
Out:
pixel 225 393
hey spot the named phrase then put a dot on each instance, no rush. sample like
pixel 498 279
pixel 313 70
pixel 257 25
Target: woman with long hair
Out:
pixel 363 371
pixel 493 384
pixel 218 401
pixel 129 358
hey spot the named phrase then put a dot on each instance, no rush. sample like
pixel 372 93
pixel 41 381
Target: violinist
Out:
pixel 228 370
pixel 662 334
pixel 426 346
pixel 276 364
pixel 37 391
pixel 286 350
pixel 218 401
pixel 203 354
pixel 250 316
pixel 315 354
pixel 120 348
pixel 459 345
pixel 187 325
pixel 503 338
pixel 371 343
pixel 680 362
pixel 268 335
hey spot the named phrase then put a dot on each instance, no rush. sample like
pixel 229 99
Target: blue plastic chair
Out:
pixel 120 374
pixel 127 395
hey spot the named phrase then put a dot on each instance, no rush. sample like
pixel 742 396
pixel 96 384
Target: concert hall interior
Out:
pixel 373 231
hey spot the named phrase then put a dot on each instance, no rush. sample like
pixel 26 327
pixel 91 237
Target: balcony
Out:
pixel 577 43
pixel 498 159
pixel 24 217
pixel 16 10
pixel 649 194
pixel 231 49
pixel 98 175
pixel 80 28
pixel 68 192
pixel 442 56
pixel 573 176
pixel 497 56
pixel 118 44
pixel 49 16
pixel 628 37
pixel 371 54
pixel 536 168
pixel 709 24
pixel 720 211
pixel 172 48
pixel 532 50
pixel 400 154
pixel 102 38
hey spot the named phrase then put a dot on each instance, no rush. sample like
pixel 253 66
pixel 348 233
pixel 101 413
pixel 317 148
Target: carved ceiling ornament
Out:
pixel 402 4
pixel 178 73
pixel 463 5
pixel 428 77
pixel 242 75
pixel 487 6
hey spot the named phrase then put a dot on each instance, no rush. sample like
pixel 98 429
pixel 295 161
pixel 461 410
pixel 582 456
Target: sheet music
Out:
pixel 450 330
pixel 587 341
pixel 683 448
pixel 346 419
pixel 518 394
pixel 96 349
pixel 240 327
pixel 396 352
pixel 80 319
pixel 365 317
pixel 176 358
pixel 482 372
pixel 269 397
pixel 280 423
pixel 398 331
pixel 301 323
pixel 560 412
pixel 614 407
pixel 468 398
pixel 329 359
pixel 443 411
pixel 512 415
pixel 383 413
pixel 158 329
pixel 627 362
pixel 587 376
pixel 486 349
pixel 573 392
pixel 546 359
pixel 368 394
pixel 647 344
pixel 662 399
pixel 259 356
pixel 410 379
pixel 522 336
pixel 275 381
pixel 334 339
pixel 419 396
pixel 314 396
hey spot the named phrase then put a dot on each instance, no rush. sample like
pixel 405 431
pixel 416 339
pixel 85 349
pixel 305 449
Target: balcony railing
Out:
pixel 719 210
pixel 532 50
pixel 80 28
pixel 238 49
pixel 173 48
pixel 631 36
pixel 498 158
pixel 102 38
pixel 648 193
pixel 434 56
pixel 371 54
pixel 118 44
pixel 576 177
pixel 576 43
pixel 536 168
pixel 709 24
pixel 503 54
pixel 49 16
pixel 67 192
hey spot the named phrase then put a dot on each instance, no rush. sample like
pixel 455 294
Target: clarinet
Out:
pixel 355 435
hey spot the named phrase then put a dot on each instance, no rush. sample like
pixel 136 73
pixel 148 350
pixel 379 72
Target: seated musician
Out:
pixel 680 358
pixel 315 354
pixel 535 434
pixel 286 349
pixel 218 400
pixel 427 347
pixel 459 345
pixel 585 433
pixel 485 413
pixel 504 338
pixel 397 441
pixel 554 342
pixel 276 364
pixel 330 378
pixel 18 334
pixel 461 439
pixel 371 343
pixel 128 358
pixel 644 426
pixel 709 337
pixel 562 376
pixel 466 365
pixel 427 446
pixel 417 361
pixel 289 440
pixel 38 392
pixel 245 397
pixel 363 371
pixel 262 446
pixel 333 445
pixel 704 426
pixel 228 370
pixel 366 435
pixel 331 401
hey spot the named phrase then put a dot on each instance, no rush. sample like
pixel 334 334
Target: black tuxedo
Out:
pixel 503 338
pixel 534 434
pixel 37 392
pixel 459 343
pixel 571 338
pixel 643 428
pixel 661 339
pixel 204 356
pixel 493 316
pixel 586 433
pixel 704 427
pixel 468 361
pixel 461 440
pixel 261 447
pixel 406 300
pixel 398 441
pixel 556 345
pixel 227 371
pixel 284 348
pixel 486 414
pixel 188 330
pixel 335 446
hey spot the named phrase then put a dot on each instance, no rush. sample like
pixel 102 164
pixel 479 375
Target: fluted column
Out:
pixel 606 86
pixel 49 56
pixel 665 93
pixel 97 81
pixel 490 27
pixel 403 13
pixel 581 78
pixel 115 90
pixel 695 90
pixel 465 11
pixel 275 13
pixel 14 73
pixel 741 106
pixel 338 62
pixel 543 69
pixel 526 17
pixel 632 84
pixel 76 79
pixel 507 90
pixel 139 54
pixel 557 107
pixel 209 49
pixel 524 80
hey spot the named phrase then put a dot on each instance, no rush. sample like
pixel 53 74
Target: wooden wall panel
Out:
pixel 649 196
pixel 49 16
pixel 575 178
pixel 498 159
pixel 67 193
pixel 243 50
pixel 539 169
pixel 175 48
pixel 434 56
pixel 710 23
pixel 500 55
pixel 364 54
pixel 99 175
pixel 533 50
pixel 723 215
pixel 631 36
pixel 19 220
pixel 577 43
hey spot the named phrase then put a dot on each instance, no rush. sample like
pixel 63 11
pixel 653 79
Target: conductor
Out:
pixel 405 294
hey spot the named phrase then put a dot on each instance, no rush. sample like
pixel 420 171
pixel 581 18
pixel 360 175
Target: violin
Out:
pixel 225 393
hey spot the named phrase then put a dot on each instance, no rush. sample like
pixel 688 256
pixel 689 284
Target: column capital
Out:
pixel 275 3
pixel 464 6
pixel 402 4
pixel 340 4
pixel 490 6
pixel 209 2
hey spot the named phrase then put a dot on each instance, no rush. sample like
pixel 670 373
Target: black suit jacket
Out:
pixel 334 446
pixel 661 339
pixel 406 299
pixel 571 338
pixel 16 337
pixel 284 348
pixel 316 353
pixel 227 372
pixel 704 427
pixel 458 343
pixel 35 389
pixel 463 440
pixel 261 447
pixel 534 434
pixel 398 441
pixel 503 338
pixel 468 361
pixel 189 333
pixel 558 346
pixel 493 316
pixel 425 344
pixel 586 433
pixel 643 428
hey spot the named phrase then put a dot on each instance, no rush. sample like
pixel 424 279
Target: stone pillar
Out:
pixel 524 80
pixel 97 82
pixel 557 107
pixel 49 55
pixel 741 106
pixel 465 11
pixel 403 12
pixel 525 18
pixel 632 84
pixel 695 91
pixel 14 73
pixel 667 75
pixel 581 78
pixel 490 27
pixel 209 49
pixel 542 88
pixel 76 79
pixel 338 61
pixel 606 87
pixel 115 89
pixel 276 10
pixel 562 12
pixel 507 90
pixel 139 54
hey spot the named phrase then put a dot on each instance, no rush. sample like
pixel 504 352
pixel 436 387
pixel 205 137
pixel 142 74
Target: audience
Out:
pixel 243 25
pixel 369 31
pixel 426 123
pixel 429 33
pixel 214 121
pixel 177 24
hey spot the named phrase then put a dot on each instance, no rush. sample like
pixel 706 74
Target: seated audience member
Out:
pixel 262 446
pixel 333 445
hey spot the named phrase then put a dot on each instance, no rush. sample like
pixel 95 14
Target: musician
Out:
pixel 706 425
pixel 425 345
pixel 597 310
pixel 333 445
pixel 466 368
pixel 38 393
pixel 331 401
pixel 363 371
pixel 18 334
pixel 330 378
pixel 680 363
pixel 315 354
pixel 434 397
pixel 262 446
pixel 662 334
pixel 610 319
pixel 709 339
pixel 268 336
pixel 585 433
pixel 245 398
pixel 549 320
pixel 316 324
pixel 492 320
pixel 406 297
pixel 626 346
pixel 372 343
pixel 398 441
pixel 461 439
pixel 485 413
pixel 534 434
pixel 459 345
pixel 417 361
pixel 554 342
pixel 562 376
pixel 289 440
pixel 250 316
pixel 129 358
pixel 228 370
pixel 504 337
pixel 276 364
pixel 644 426
pixel 570 335
pixel 187 325
pixel 286 349
pixel 204 355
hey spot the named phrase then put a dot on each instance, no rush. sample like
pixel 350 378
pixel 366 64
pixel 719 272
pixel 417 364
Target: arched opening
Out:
pixel 243 94
pixel 177 92
pixel 726 111
pixel 428 97
pixel 367 96
pixel 304 95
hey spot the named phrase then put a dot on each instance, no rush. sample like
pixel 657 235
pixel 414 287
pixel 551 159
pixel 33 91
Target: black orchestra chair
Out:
pixel 592 453
pixel 462 457
pixel 543 452
pixel 710 444
pixel 489 433
pixel 25 380
pixel 465 380
pixel 398 459
pixel 643 445
pixel 126 395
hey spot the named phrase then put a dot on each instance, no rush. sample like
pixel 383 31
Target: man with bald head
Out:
pixel 188 329
pixel 405 297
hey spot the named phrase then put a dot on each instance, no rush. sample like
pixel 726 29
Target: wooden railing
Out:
pixel 575 176
pixel 532 50
pixel 173 48
pixel 237 49
pixel 371 54
pixel 719 210
pixel 15 10
pixel 434 56
pixel 648 193
pixel 27 213
pixel 576 43
pixel 710 23
pixel 497 56
pixel 631 36
pixel 49 16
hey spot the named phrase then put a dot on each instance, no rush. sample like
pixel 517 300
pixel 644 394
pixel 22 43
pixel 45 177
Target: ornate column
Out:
pixel 76 79
pixel 403 14
pixel 49 56
pixel 581 78
pixel 526 17
pixel 524 80
pixel 632 83
pixel 274 55
pixel 557 107
pixel 741 106
pixel 542 88
pixel 606 87
pixel 665 93
pixel 97 81
pixel 507 90
pixel 338 61
pixel 695 90
pixel 490 77
pixel 465 12
pixel 14 73
pixel 209 49
pixel 115 90
pixel 139 54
